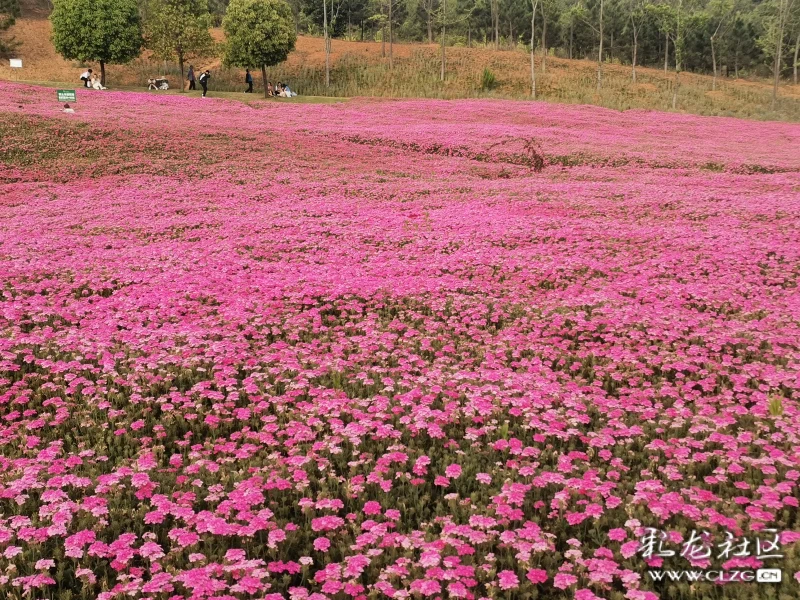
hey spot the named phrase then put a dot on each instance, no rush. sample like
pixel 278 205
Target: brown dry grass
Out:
pixel 416 74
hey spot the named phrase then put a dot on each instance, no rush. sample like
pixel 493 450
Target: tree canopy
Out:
pixel 178 29
pixel 106 31
pixel 9 10
pixel 258 33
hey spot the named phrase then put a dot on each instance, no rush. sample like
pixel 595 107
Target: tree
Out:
pixel 795 28
pixel 258 33
pixel 778 21
pixel 573 13
pixel 665 17
pixel 105 31
pixel 534 6
pixel 636 17
pixel 178 29
pixel 9 11
pixel 548 7
pixel 600 51
pixel 719 12
pixel 599 31
pixel 429 7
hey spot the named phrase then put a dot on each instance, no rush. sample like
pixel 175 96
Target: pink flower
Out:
pixel 617 535
pixel 372 508
pixel 275 536
pixel 426 587
pixel 484 478
pixel 322 544
pixel 453 471
pixel 508 580
pixel 151 550
pixel 629 549
pixel 327 523
pixel 563 580
pixel 537 576
pixel 429 559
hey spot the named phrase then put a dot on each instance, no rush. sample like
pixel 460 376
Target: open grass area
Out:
pixel 240 96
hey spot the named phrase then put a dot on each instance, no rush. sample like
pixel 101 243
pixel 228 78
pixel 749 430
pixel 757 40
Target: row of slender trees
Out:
pixel 258 33
pixel 720 37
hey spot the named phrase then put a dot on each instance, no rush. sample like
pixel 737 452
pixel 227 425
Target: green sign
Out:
pixel 66 96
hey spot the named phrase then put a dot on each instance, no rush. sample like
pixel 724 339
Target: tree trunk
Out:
pixel 778 52
pixel 103 73
pixel 444 32
pixel 796 56
pixel 600 52
pixel 635 49
pixel 264 78
pixel 469 37
pixel 391 36
pixel 533 49
pixel 383 42
pixel 429 10
pixel 611 46
pixel 183 79
pixel 571 27
pixel 675 87
pixel 666 51
pixel 327 45
pixel 496 25
pixel 714 65
pixel 544 40
pixel 678 55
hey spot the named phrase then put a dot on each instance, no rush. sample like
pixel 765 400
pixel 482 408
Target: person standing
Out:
pixel 190 78
pixel 204 77
pixel 86 77
pixel 248 79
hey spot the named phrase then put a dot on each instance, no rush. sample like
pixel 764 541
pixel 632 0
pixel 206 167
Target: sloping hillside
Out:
pixel 359 69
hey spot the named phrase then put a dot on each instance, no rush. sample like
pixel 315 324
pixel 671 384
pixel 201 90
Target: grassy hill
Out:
pixel 359 69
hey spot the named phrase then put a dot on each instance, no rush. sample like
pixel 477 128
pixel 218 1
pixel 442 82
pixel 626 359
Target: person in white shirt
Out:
pixel 86 77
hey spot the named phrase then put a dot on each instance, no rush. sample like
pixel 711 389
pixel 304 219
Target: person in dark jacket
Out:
pixel 190 78
pixel 248 79
pixel 204 77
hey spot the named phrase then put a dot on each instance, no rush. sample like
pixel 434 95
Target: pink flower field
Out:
pixel 368 350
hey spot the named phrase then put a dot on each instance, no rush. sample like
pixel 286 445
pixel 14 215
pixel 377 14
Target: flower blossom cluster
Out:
pixel 362 351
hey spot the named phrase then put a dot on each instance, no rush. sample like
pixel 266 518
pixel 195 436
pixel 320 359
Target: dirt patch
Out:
pixel 644 88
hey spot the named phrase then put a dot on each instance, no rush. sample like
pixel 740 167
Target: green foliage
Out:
pixel 488 80
pixel 178 29
pixel 258 33
pixel 9 10
pixel 97 30
pixel 776 406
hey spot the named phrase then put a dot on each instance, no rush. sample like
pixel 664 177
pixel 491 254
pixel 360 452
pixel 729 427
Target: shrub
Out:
pixel 488 80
